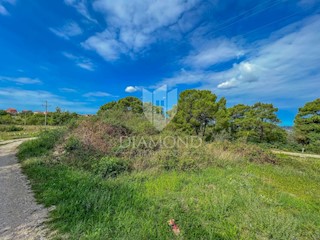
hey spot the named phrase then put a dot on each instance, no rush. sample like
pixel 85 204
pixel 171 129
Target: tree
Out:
pixel 307 125
pixel 3 112
pixel 6 119
pixel 237 115
pixel 131 104
pixel 127 104
pixel 198 110
pixel 264 119
pixel 106 107
pixel 257 123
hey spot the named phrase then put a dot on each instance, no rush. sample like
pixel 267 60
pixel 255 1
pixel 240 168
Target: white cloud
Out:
pixel 68 30
pixel 242 73
pixel 81 7
pixel 97 94
pixel 80 61
pixel 131 89
pixel 21 80
pixel 33 99
pixel 88 66
pixel 133 25
pixel 3 9
pixel 210 53
pixel 104 44
pixel 186 77
pixel 232 83
pixel 67 90
pixel 284 66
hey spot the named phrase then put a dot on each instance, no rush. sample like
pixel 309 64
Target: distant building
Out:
pixel 12 111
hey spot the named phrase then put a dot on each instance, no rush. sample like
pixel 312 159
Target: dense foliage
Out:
pixel 307 125
pixel 127 104
pixel 220 190
pixel 257 123
pixel 56 118
pixel 200 113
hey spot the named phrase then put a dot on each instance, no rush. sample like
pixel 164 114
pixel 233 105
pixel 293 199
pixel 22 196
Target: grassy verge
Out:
pixel 246 200
pixel 21 131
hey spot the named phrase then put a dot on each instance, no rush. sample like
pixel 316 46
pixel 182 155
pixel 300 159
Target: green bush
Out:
pixel 11 129
pixel 136 124
pixel 110 167
pixel 72 144
pixel 40 146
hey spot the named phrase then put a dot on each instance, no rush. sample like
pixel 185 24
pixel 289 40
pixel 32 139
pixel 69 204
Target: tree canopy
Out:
pixel 256 123
pixel 127 104
pixel 307 124
pixel 198 111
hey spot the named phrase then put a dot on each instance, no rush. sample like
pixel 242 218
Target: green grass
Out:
pixel 246 201
pixel 26 132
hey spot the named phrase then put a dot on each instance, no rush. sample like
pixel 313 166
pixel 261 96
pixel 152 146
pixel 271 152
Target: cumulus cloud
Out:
pixel 132 25
pixel 68 30
pixel 21 80
pixel 232 83
pixel 131 89
pixel 80 61
pixel 242 73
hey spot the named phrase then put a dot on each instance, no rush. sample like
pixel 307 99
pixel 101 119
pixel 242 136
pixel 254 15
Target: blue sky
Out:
pixel 80 54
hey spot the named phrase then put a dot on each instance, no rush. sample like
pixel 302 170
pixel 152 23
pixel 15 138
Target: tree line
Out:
pixel 200 112
pixel 29 118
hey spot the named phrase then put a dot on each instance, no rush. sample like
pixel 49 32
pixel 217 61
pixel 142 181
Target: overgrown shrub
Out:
pixel 11 129
pixel 110 167
pixel 97 135
pixel 136 124
pixel 72 144
pixel 181 157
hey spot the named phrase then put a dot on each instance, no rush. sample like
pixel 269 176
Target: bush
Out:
pixel 97 135
pixel 72 144
pixel 136 124
pixel 110 167
pixel 11 129
pixel 40 146
pixel 193 157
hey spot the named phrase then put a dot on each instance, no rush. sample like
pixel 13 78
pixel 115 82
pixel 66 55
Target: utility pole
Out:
pixel 46 112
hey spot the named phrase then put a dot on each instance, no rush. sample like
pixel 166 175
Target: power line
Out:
pixel 226 26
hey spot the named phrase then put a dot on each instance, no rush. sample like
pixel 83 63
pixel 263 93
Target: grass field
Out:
pixel 242 201
pixel 25 132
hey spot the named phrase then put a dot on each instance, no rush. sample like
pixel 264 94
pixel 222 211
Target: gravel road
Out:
pixel 20 216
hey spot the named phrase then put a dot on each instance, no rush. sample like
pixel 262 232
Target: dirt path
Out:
pixel 20 216
pixel 304 155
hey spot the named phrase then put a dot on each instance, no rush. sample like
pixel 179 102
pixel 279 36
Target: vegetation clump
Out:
pixel 115 176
